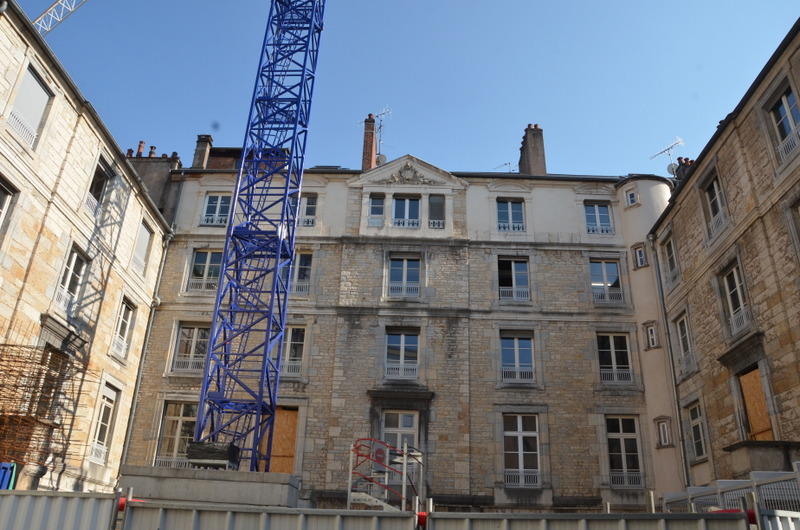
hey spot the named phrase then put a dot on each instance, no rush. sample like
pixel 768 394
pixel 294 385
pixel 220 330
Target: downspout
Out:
pixel 651 238
pixel 153 305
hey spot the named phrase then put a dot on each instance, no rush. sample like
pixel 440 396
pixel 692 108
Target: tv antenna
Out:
pixel 672 167
pixel 379 131
pixel 506 165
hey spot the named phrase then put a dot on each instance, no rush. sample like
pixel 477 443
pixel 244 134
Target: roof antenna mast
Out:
pixel 672 167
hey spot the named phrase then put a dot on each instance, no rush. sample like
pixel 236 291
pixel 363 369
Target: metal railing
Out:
pixel 523 373
pixel 203 284
pixel 789 144
pixel 64 299
pixel 673 276
pixel 717 223
pixel 740 320
pixel 632 480
pixel 401 370
pixel 405 223
pixel 291 367
pixel 175 462
pixel 600 229
pixel 403 289
pixel 436 223
pixel 215 220
pixel 511 227
pixel 119 346
pixel 301 288
pixel 616 375
pixel 608 295
pixel 182 363
pixel 98 453
pixel 308 221
pixel 522 478
pixel 22 127
pixel 515 293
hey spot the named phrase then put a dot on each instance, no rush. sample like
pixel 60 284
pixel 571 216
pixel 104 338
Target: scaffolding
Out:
pixel 39 393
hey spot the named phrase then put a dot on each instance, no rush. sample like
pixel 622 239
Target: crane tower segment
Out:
pixel 239 393
pixel 56 14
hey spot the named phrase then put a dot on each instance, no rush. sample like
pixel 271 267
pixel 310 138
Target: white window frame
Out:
pixel 27 117
pixel 293 351
pixel 204 281
pixel 405 433
pixel 405 279
pixel 103 427
pixel 715 205
pixel 785 111
pixel 613 369
pixel 406 343
pixel 663 432
pixel 606 289
pixel 651 335
pixel 123 331
pixel 301 274
pixel 72 280
pixel 308 209
pixel 639 253
pixel 177 424
pixel 631 196
pixel 403 215
pixel 520 448
pixel 671 261
pixel 623 475
pixel 736 306
pixel 377 210
pixel 519 286
pixel 598 218
pixel 98 188
pixel 517 358
pixel 697 431
pixel 216 209
pixel 191 347
pixel 141 251
pixel 510 215
pixel 7 194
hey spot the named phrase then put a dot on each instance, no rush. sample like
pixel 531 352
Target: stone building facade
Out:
pixel 506 325
pixel 729 255
pixel 80 246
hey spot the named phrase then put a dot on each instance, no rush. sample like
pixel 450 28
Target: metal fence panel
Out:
pixel 42 510
pixel 506 521
pixel 780 520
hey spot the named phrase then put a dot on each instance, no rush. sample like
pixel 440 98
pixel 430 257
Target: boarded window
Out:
pixel 755 404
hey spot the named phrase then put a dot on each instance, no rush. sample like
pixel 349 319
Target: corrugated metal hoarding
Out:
pixel 42 510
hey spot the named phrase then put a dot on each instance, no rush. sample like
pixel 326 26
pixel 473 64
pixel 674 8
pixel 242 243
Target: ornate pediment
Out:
pixel 594 188
pixel 408 174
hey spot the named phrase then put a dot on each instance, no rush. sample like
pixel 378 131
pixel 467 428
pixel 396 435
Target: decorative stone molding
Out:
pixel 408 174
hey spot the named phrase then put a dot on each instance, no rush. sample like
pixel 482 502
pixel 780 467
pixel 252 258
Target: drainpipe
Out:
pixel 153 305
pixel 651 238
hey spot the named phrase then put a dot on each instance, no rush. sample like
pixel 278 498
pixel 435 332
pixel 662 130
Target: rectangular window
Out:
pixel 512 275
pixel 122 337
pixel 27 114
pixel 177 430
pixel 651 334
pixel 623 453
pixel 142 249
pixel 697 431
pixel 517 358
pixel 737 311
pixel 301 274
pixel 686 358
pixel 598 218
pixel 406 212
pixel 631 197
pixel 404 277
pixel 717 219
pixel 400 427
pixel 786 119
pixel 192 347
pixel 292 362
pixel 639 256
pixel 98 188
pixel 606 284
pixel 7 194
pixel 71 280
pixel 206 267
pixel 377 203
pixel 615 359
pixel 664 430
pixel 216 210
pixel 436 211
pixel 521 451
pixel 402 355
pixel 308 209
pixel 103 431
pixel 671 261
pixel 510 216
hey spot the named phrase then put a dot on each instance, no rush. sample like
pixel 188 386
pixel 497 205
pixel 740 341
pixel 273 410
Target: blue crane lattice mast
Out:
pixel 240 386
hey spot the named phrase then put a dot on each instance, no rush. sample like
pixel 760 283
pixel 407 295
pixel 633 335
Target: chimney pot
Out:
pixel 369 155
pixel 531 153
pixel 202 151
pixel 140 149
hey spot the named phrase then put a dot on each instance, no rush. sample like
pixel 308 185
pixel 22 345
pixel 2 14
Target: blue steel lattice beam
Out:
pixel 240 386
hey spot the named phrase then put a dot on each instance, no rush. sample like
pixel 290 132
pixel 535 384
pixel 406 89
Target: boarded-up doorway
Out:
pixel 755 404
pixel 284 440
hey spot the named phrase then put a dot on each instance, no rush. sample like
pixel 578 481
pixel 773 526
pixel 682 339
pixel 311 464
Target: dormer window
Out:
pixel 406 212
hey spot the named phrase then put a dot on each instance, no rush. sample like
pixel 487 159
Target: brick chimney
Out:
pixel 201 152
pixel 369 156
pixel 531 154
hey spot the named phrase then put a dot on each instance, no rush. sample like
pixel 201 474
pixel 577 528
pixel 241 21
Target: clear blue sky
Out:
pixel 611 82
